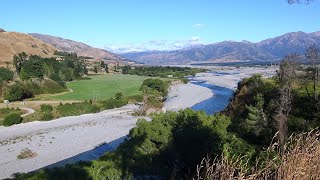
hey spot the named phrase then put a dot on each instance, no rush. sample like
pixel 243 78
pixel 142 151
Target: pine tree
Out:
pixel 256 120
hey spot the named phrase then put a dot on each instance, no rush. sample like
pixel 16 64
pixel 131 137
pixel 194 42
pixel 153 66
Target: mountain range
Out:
pixel 227 51
pixel 81 49
pixel 231 51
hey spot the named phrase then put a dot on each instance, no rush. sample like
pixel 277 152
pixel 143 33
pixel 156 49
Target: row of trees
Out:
pixel 37 67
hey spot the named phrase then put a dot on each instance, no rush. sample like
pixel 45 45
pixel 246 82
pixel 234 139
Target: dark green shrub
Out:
pixel 17 92
pixel 119 96
pixel 5 74
pixel 12 119
pixel 47 116
pixel 155 85
pixel 114 103
pixel 75 109
pixel 46 108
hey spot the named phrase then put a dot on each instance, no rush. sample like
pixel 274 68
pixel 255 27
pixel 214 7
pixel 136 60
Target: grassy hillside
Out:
pixel 13 43
pixel 106 85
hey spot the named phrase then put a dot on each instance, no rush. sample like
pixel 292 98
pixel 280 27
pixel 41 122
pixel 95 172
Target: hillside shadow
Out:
pixel 89 155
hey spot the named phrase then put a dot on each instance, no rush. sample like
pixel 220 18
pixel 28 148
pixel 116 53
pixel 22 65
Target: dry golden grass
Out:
pixel 300 159
pixel 13 43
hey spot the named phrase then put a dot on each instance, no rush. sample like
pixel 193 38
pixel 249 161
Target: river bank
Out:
pixel 64 140
pixel 182 96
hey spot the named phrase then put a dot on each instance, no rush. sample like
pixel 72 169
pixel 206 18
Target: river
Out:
pixel 218 102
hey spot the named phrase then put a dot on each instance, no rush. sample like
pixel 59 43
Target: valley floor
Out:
pixel 70 139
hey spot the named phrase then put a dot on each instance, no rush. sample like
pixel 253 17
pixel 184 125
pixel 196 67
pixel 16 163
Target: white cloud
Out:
pixel 158 45
pixel 199 25
pixel 196 39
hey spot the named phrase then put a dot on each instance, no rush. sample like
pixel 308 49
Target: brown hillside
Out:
pixel 81 49
pixel 13 43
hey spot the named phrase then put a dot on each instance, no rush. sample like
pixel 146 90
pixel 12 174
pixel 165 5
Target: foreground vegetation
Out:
pixel 5 114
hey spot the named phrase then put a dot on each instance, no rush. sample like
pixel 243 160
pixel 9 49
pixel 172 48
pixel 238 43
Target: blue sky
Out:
pixel 136 25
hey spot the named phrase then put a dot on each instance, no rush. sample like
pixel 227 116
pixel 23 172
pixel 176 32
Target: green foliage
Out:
pixel 18 60
pixel 236 147
pixel 171 140
pixel 256 120
pixel 46 108
pixel 136 98
pixel 37 67
pixel 162 71
pixel 17 92
pixel 46 116
pixel 32 68
pixel 126 69
pixel 253 109
pixel 119 96
pixel 155 86
pixel 154 102
pixel 106 170
pixel 5 74
pixel 114 103
pixel 75 109
pixel 45 86
pixel 12 119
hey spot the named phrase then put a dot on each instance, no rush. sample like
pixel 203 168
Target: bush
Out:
pixel 5 74
pixel 114 103
pixel 119 96
pixel 75 109
pixel 12 119
pixel 47 116
pixel 136 98
pixel 17 92
pixel 46 108
pixel 26 153
pixel 155 85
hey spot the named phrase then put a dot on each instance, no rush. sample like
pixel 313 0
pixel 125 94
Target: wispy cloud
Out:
pixel 159 45
pixel 199 25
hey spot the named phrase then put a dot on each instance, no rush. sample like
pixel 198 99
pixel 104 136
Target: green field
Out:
pixel 106 86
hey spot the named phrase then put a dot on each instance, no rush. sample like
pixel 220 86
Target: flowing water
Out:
pixel 218 102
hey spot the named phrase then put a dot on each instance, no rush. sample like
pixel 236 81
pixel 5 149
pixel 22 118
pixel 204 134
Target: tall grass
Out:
pixel 299 159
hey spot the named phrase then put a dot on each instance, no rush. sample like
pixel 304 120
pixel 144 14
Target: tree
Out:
pixel 17 63
pixel 107 68
pixel 32 68
pixel 313 55
pixel 5 74
pixel 12 119
pixel 17 92
pixel 286 76
pixel 95 69
pixel 256 119
pixel 126 69
pixel 119 96
pixel 102 64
